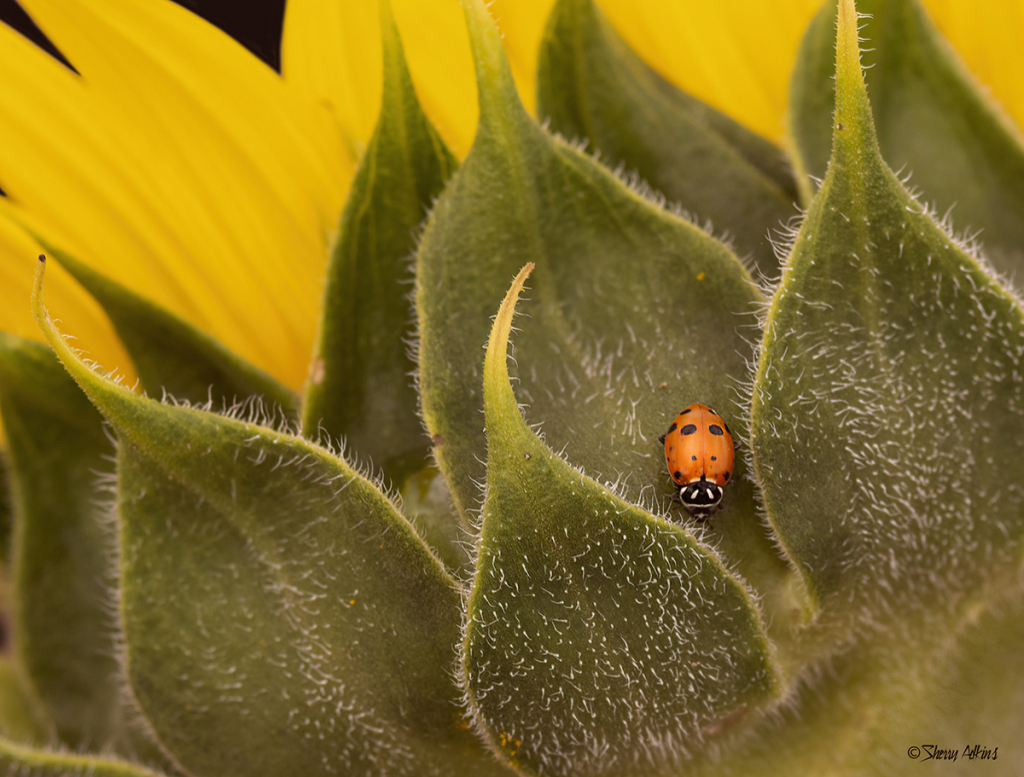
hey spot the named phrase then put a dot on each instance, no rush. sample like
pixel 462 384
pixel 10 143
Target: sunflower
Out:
pixel 286 506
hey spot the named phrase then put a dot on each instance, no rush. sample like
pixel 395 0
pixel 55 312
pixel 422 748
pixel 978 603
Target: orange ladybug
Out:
pixel 699 452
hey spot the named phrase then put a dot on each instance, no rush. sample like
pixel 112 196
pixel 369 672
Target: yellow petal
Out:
pixel 178 164
pixel 988 36
pixel 331 52
pixel 437 47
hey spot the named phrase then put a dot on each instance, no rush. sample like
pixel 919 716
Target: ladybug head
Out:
pixel 701 498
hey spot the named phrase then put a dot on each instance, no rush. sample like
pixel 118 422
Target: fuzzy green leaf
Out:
pixel 881 705
pixel 592 86
pixel 64 584
pixel 26 762
pixel 360 385
pixel 981 666
pixel 931 120
pixel 601 639
pixel 888 412
pixel 639 313
pixel 171 355
pixel 280 616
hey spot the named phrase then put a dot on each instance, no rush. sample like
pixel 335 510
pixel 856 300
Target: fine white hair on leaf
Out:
pixel 104 509
pixel 914 494
pixel 636 184
pixel 782 239
pixel 561 739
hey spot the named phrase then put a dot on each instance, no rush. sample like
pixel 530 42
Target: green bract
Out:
pixel 209 584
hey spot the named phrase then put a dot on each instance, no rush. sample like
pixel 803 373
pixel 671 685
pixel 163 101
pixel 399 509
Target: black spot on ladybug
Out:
pixel 726 476
pixel 716 430
pixel 677 475
pixel 714 458
pixel 688 429
pixel 684 412
pixel 693 458
pixel 672 428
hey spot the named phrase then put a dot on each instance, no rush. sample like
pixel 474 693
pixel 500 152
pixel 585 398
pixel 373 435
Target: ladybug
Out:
pixel 699 452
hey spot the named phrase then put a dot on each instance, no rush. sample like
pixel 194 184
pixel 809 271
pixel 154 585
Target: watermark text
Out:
pixel 942 753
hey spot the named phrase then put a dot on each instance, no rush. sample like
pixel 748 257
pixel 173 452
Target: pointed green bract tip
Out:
pixel 498 396
pixel 496 89
pixel 853 122
pixel 108 396
pixel 494 363
pixel 46 326
pixel 85 377
pixel 388 29
pixel 847 43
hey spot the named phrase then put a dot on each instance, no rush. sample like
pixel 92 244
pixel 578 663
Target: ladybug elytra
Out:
pixel 699 452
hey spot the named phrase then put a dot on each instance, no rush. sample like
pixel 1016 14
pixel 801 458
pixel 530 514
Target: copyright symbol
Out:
pixel 914 751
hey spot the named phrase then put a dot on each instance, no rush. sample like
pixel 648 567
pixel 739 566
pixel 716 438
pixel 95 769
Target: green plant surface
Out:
pixel 625 332
pixel 257 570
pixel 601 640
pixel 933 124
pixel 888 409
pixel 360 385
pixel 864 711
pixel 63 582
pixel 592 87
pixel 638 313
